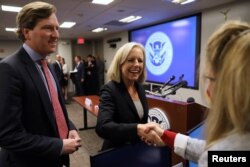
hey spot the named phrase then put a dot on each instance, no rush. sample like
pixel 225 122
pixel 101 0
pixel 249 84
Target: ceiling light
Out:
pixel 67 24
pixel 182 2
pixel 130 19
pixel 11 29
pixel 102 2
pixel 99 29
pixel 10 8
pixel 187 1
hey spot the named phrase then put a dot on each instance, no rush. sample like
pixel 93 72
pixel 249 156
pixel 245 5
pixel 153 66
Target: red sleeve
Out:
pixel 168 137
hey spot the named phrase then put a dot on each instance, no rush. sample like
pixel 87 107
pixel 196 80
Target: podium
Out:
pixel 182 116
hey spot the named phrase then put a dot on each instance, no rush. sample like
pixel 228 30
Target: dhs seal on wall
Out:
pixel 159 53
pixel 158 116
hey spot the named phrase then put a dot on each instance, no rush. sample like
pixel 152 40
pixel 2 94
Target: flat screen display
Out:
pixel 172 49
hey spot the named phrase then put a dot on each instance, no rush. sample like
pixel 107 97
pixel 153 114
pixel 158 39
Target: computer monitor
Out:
pixel 172 48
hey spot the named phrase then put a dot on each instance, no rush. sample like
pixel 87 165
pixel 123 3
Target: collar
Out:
pixel 33 55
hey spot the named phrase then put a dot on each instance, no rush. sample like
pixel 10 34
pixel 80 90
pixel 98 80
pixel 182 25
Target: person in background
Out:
pixel 123 109
pixel 49 60
pixel 225 80
pixel 100 71
pixel 91 82
pixel 65 79
pixel 79 76
pixel 35 130
pixel 95 77
pixel 58 69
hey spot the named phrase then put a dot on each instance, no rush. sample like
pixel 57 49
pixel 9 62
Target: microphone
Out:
pixel 166 83
pixel 176 87
pixel 178 82
pixel 181 77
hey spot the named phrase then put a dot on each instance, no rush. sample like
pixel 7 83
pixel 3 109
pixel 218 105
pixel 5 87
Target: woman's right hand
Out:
pixel 151 133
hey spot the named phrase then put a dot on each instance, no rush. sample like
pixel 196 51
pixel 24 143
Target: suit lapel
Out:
pixel 38 82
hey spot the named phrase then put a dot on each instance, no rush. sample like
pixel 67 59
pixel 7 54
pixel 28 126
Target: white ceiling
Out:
pixel 89 16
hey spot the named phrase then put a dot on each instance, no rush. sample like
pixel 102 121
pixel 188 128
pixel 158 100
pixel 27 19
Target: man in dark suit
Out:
pixel 58 69
pixel 79 74
pixel 35 130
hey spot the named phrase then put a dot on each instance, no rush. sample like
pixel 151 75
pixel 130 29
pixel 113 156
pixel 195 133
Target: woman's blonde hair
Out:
pixel 114 71
pixel 228 57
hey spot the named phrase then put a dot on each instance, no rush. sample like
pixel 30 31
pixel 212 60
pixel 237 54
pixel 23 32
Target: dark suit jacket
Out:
pixel 28 131
pixel 80 72
pixel 58 72
pixel 118 118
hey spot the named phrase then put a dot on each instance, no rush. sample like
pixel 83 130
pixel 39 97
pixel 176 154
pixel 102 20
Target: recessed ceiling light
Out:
pixel 182 2
pixel 10 8
pixel 130 19
pixel 187 1
pixel 102 2
pixel 99 29
pixel 67 24
pixel 11 29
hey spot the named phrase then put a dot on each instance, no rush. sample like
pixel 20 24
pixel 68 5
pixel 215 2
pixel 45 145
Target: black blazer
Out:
pixel 58 71
pixel 118 118
pixel 80 72
pixel 28 131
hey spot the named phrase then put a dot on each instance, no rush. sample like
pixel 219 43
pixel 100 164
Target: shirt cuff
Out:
pixel 169 137
pixel 180 144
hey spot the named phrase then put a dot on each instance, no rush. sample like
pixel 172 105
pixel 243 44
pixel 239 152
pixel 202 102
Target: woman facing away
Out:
pixel 226 80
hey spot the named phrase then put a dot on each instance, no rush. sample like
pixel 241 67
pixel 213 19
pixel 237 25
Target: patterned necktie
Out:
pixel 58 112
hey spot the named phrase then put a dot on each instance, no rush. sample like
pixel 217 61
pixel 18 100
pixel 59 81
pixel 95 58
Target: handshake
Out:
pixel 151 134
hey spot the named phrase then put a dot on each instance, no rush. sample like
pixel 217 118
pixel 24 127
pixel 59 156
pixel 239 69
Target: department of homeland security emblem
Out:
pixel 158 116
pixel 159 53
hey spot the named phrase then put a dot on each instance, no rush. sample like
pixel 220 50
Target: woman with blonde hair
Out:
pixel 123 109
pixel 227 74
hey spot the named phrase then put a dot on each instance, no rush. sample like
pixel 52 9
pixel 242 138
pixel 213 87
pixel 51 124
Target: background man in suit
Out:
pixel 58 69
pixel 35 130
pixel 79 76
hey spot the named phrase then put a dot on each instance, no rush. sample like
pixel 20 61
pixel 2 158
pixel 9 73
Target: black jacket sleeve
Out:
pixel 108 124
pixel 117 121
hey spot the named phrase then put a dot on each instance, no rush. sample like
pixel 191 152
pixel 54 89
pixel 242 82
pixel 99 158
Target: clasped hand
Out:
pixel 72 143
pixel 151 133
